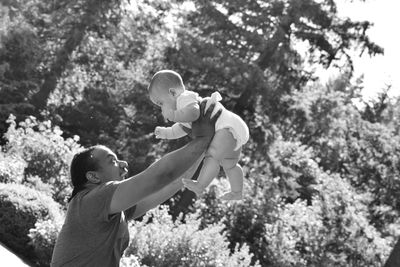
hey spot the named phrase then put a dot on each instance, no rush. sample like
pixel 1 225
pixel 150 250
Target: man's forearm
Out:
pixel 175 163
pixel 161 173
pixel 156 198
pixel 165 193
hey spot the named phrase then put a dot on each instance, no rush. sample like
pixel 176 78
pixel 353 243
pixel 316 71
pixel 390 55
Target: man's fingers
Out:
pixel 202 107
pixel 186 129
pixel 210 110
pixel 216 116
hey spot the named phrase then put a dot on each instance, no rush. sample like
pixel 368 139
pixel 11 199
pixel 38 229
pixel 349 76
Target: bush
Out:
pixel 333 231
pixel 243 221
pixel 11 168
pixel 46 153
pixel 130 261
pixel 20 208
pixel 162 242
pixel 288 175
pixel 36 183
pixel 43 238
pixel 296 214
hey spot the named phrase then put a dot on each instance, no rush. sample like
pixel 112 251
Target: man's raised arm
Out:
pixel 169 168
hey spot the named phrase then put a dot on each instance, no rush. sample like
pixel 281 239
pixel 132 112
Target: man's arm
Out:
pixel 166 170
pixel 164 194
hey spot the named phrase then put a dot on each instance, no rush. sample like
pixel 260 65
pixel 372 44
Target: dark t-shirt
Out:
pixel 89 236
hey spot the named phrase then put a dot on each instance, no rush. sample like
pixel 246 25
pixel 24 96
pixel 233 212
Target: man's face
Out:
pixel 110 168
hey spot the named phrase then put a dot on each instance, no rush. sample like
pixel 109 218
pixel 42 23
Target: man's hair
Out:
pixel 166 79
pixel 82 163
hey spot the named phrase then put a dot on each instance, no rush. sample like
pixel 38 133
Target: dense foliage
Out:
pixel 20 208
pixel 163 242
pixel 322 170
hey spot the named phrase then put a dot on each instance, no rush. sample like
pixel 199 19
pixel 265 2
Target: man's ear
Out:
pixel 92 177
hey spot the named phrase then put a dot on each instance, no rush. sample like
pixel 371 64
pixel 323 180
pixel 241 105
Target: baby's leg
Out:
pixel 222 143
pixel 209 170
pixel 235 174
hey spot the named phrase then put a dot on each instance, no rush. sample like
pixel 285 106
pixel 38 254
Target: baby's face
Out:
pixel 164 100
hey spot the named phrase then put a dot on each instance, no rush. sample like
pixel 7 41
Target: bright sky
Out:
pixel 378 70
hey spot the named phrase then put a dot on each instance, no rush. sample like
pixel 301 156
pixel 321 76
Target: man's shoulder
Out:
pixel 99 191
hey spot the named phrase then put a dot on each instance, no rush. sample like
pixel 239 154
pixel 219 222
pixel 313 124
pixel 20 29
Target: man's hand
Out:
pixel 204 125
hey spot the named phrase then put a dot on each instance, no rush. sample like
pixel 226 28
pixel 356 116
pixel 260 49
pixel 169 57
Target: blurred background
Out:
pixel 316 82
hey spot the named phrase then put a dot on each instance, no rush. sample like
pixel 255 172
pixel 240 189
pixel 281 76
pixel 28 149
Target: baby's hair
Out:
pixel 166 79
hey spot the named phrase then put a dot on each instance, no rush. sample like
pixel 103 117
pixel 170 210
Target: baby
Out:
pixel 167 91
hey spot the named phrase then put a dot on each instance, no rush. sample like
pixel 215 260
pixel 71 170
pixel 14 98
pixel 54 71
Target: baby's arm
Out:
pixel 188 113
pixel 173 132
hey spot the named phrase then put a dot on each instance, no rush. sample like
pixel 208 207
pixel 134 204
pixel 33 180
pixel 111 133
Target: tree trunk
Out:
pixel 73 39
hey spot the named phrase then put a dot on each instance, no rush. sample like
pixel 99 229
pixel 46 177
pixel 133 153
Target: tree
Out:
pixel 36 44
pixel 374 110
pixel 246 49
pixel 88 15
pixel 365 153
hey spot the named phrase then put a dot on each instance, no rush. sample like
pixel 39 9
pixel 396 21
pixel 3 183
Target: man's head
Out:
pixel 96 164
pixel 164 88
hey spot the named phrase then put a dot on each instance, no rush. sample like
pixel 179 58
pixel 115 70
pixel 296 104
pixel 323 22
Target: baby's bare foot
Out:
pixel 193 186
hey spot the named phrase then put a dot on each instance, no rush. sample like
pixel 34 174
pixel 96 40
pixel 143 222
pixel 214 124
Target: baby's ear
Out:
pixel 173 91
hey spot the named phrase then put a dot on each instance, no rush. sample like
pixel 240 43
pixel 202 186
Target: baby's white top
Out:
pixel 228 119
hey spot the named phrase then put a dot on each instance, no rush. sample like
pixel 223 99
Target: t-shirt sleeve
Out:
pixel 95 205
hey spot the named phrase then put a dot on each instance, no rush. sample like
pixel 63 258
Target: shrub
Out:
pixel 36 183
pixel 327 223
pixel 43 238
pixel 333 231
pixel 162 242
pixel 243 221
pixel 130 261
pixel 45 151
pixel 288 175
pixel 11 168
pixel 20 208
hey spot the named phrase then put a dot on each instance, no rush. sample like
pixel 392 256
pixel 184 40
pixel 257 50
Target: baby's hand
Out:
pixel 169 114
pixel 159 132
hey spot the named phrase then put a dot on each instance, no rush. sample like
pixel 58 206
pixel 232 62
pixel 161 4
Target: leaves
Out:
pixel 321 174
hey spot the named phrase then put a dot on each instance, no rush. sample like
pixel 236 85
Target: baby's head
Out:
pixel 164 88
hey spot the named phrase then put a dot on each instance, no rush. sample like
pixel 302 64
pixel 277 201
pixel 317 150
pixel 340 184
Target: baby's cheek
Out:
pixel 163 111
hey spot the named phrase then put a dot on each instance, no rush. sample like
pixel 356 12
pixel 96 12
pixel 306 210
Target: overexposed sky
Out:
pixel 378 70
